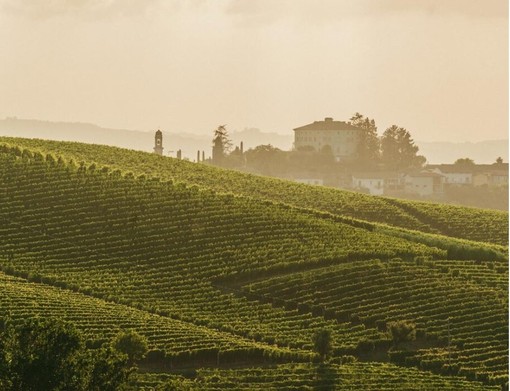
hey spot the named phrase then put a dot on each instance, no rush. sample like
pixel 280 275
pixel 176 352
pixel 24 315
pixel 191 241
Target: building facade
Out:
pixel 424 183
pixel 342 137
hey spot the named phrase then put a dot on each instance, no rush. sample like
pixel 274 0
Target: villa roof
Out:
pixel 328 124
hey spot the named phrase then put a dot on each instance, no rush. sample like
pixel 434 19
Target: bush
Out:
pixel 402 331
pixel 322 343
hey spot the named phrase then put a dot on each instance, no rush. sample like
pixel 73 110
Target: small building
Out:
pixel 424 183
pixel 453 173
pixel 498 178
pixel 376 183
pixel 342 137
pixel 476 175
pixel 373 183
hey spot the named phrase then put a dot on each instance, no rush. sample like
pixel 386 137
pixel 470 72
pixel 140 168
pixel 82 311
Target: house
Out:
pixel 453 174
pixel 498 178
pixel 476 175
pixel 342 137
pixel 376 183
pixel 424 183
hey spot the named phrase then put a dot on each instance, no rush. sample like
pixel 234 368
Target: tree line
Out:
pixel 394 150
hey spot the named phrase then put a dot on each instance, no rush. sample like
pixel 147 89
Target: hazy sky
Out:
pixel 437 67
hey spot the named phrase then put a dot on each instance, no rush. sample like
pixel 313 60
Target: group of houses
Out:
pixel 432 180
pixel 343 139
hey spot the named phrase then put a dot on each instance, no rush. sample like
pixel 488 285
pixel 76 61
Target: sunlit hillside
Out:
pixel 229 276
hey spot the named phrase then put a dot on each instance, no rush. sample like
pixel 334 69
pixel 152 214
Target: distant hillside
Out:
pixel 435 152
pixel 483 152
pixel 134 139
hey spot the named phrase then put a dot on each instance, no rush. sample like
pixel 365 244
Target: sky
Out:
pixel 439 68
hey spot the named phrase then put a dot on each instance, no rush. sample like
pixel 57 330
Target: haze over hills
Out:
pixel 139 140
pixel 483 152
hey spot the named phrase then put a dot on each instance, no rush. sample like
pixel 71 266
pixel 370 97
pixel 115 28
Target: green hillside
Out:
pixel 460 222
pixel 217 267
pixel 350 376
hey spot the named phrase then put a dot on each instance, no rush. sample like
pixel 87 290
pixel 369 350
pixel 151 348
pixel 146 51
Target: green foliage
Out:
pixel 108 369
pixel 322 343
pixel 473 294
pixel 176 260
pixel 469 223
pixel 43 355
pixel 131 344
pixel 50 355
pixel 402 331
pixel 348 376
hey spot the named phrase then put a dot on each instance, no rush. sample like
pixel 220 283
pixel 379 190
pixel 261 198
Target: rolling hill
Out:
pixel 223 269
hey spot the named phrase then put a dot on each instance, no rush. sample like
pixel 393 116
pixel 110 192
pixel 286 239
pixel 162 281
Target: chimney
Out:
pixel 328 119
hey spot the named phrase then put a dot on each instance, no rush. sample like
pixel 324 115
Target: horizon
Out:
pixel 437 68
pixel 244 129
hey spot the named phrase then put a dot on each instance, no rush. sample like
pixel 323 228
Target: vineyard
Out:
pixel 352 376
pixel 461 222
pixel 217 267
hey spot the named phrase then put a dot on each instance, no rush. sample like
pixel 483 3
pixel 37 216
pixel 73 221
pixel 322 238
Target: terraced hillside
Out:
pixel 244 277
pixel 351 376
pixel 461 222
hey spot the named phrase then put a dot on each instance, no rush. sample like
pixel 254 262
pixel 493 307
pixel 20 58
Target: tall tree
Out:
pixel 369 146
pixel 398 151
pixel 221 144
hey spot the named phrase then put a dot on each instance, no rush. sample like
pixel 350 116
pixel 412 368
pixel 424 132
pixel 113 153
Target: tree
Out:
pixel 108 369
pixel 131 344
pixel 465 162
pixel 43 356
pixel 266 159
pixel 398 151
pixel 499 160
pixel 369 145
pixel 402 331
pixel 50 355
pixel 322 343
pixel 222 144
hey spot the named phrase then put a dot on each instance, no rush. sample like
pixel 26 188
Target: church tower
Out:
pixel 158 143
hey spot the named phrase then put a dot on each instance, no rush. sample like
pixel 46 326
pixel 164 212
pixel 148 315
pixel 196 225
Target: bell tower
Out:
pixel 158 143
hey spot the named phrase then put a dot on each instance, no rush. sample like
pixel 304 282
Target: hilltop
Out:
pixel 217 268
pixel 142 140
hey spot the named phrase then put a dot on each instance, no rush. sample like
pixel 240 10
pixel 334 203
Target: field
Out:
pixel 229 275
